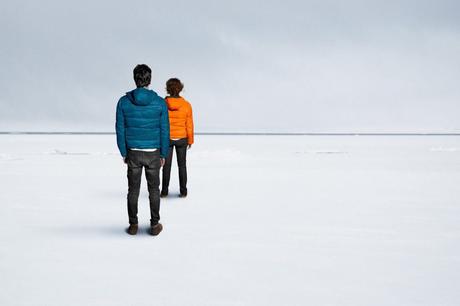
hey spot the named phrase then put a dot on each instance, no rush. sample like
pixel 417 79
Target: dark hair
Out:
pixel 142 75
pixel 174 86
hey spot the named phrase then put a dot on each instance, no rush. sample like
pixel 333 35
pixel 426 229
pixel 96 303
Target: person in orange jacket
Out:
pixel 181 135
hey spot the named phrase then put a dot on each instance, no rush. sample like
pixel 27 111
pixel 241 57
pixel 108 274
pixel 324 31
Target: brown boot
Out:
pixel 156 229
pixel 132 229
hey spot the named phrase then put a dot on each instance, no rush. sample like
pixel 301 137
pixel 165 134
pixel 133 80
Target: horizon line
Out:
pixel 245 133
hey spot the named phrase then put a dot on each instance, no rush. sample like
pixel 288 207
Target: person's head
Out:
pixel 173 87
pixel 142 75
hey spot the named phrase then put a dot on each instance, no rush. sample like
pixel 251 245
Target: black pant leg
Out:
pixel 167 170
pixel 134 184
pixel 181 153
pixel 152 174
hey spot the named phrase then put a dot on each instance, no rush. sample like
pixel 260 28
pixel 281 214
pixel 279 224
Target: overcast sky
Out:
pixel 310 66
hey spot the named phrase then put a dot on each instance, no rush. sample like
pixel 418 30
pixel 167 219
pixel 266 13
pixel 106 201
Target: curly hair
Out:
pixel 142 75
pixel 174 86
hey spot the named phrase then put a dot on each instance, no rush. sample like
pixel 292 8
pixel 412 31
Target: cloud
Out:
pixel 271 65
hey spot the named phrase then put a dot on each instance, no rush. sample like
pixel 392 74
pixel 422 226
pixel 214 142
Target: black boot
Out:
pixel 156 229
pixel 132 229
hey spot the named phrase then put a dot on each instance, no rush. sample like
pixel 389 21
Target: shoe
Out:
pixel 183 194
pixel 163 194
pixel 132 229
pixel 156 229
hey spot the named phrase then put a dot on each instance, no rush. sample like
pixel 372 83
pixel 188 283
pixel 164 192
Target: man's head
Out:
pixel 174 87
pixel 142 75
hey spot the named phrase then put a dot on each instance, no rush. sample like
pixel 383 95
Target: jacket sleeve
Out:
pixel 120 129
pixel 164 130
pixel 189 125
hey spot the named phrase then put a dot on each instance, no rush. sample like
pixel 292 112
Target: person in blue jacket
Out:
pixel 142 126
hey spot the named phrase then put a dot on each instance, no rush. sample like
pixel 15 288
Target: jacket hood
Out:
pixel 175 103
pixel 142 96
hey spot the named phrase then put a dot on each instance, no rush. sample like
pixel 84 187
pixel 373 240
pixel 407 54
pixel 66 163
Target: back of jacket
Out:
pixel 142 122
pixel 180 118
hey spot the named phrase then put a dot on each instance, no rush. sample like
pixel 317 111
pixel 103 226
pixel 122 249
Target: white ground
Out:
pixel 283 220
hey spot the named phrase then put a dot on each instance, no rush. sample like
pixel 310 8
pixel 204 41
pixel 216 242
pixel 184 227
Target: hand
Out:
pixel 125 160
pixel 162 162
pixel 189 147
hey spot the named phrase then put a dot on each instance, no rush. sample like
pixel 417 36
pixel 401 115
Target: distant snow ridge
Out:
pixel 321 152
pixel 62 152
pixel 5 156
pixel 8 157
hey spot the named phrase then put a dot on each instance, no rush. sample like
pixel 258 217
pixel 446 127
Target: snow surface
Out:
pixel 270 220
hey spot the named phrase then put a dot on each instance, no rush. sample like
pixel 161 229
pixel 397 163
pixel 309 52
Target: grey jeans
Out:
pixel 150 161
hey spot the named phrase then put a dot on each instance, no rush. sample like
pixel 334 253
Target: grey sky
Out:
pixel 314 66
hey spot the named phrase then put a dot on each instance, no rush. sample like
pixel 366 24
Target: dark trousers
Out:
pixel 181 154
pixel 150 161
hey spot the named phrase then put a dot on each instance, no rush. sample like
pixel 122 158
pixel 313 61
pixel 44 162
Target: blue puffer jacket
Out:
pixel 142 122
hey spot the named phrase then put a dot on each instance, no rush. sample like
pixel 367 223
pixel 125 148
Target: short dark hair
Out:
pixel 174 86
pixel 142 75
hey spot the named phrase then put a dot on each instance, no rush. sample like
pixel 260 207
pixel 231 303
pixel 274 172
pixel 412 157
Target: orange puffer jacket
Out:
pixel 180 118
